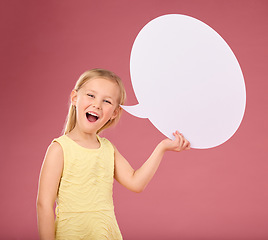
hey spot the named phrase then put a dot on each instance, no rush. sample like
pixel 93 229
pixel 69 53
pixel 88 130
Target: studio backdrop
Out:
pixel 219 193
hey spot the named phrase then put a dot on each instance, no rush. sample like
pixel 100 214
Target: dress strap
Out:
pixel 57 210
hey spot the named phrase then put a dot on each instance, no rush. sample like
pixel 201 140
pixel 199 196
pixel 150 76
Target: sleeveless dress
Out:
pixel 85 207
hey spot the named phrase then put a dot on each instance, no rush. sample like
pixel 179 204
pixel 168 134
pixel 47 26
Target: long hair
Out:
pixel 89 75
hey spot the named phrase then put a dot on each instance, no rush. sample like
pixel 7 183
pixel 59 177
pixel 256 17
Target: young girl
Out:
pixel 79 167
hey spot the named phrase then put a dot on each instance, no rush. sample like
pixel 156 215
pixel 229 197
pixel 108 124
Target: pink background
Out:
pixel 220 193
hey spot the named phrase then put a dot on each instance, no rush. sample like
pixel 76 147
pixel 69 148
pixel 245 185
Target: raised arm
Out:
pixel 47 192
pixel 137 180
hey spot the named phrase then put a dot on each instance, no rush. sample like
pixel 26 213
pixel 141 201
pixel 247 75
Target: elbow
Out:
pixel 138 189
pixel 42 205
pixel 138 186
pixel 40 202
pixel 39 205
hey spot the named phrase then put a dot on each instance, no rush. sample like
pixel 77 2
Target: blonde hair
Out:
pixel 89 75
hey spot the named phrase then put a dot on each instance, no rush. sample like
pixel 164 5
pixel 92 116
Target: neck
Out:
pixel 80 136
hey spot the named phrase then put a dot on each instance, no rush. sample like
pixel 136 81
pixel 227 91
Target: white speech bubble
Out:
pixel 186 78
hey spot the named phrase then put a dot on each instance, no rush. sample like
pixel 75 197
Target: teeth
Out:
pixel 93 114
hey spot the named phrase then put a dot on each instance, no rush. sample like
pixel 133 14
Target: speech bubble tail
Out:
pixel 135 110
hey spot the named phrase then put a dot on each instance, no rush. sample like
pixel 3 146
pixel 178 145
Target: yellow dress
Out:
pixel 85 207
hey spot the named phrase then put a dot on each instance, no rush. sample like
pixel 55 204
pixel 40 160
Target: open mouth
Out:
pixel 91 117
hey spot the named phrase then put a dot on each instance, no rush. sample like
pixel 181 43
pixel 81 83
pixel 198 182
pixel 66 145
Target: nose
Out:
pixel 97 104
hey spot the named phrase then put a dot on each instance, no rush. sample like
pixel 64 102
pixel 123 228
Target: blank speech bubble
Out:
pixel 186 78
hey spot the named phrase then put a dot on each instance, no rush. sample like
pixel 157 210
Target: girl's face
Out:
pixel 96 103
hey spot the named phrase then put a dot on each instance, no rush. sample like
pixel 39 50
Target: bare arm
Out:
pixel 137 180
pixel 47 192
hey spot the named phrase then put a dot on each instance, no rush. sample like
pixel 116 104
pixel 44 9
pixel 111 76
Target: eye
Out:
pixel 107 101
pixel 90 95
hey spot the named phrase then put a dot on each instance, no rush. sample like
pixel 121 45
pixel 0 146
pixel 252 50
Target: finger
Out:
pixel 176 135
pixel 181 141
pixel 177 140
pixel 186 144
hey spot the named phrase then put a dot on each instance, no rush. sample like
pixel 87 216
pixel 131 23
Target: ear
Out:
pixel 73 97
pixel 115 113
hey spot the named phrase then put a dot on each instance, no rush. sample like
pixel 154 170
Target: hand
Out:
pixel 178 144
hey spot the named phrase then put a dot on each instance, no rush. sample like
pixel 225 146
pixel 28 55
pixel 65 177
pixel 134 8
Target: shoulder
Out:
pixel 60 140
pixel 103 140
pixel 54 150
pixel 53 161
pixel 64 142
pixel 106 143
